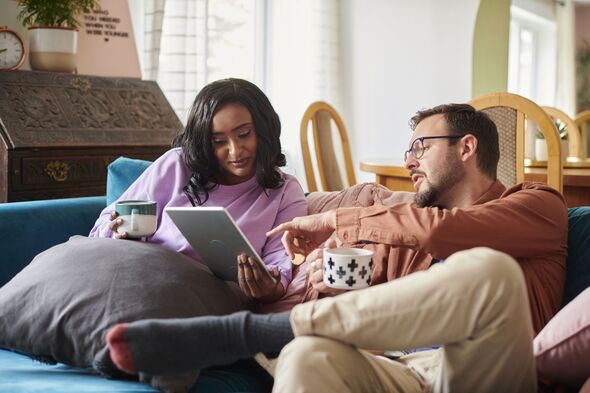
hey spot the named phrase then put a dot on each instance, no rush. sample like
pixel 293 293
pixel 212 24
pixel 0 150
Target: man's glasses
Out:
pixel 417 149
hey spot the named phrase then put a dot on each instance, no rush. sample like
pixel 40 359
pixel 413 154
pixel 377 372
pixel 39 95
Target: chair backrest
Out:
pixel 321 115
pixel 582 119
pixel 510 113
pixel 574 137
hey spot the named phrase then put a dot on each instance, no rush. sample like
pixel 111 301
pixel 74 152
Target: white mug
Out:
pixel 348 268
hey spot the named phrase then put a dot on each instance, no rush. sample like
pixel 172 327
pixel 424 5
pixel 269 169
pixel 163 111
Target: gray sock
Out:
pixel 164 346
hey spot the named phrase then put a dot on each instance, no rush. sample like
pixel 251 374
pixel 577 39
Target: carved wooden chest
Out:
pixel 58 132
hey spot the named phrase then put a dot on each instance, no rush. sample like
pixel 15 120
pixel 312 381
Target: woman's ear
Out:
pixel 468 147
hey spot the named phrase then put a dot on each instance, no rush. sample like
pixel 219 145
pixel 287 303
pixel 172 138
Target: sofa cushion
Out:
pixel 562 348
pixel 59 307
pixel 359 195
pixel 27 228
pixel 578 260
pixel 121 174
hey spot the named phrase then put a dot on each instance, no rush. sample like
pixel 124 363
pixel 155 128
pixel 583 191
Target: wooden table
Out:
pixel 576 178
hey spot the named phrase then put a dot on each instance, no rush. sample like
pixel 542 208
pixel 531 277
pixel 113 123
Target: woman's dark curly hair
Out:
pixel 195 138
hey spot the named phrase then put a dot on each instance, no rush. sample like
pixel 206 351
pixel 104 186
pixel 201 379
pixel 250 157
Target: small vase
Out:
pixel 540 149
pixel 565 152
pixel 53 49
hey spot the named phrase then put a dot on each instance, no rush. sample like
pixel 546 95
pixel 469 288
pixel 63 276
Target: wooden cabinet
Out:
pixel 58 132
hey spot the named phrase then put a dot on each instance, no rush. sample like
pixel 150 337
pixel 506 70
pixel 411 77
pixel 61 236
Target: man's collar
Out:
pixel 494 192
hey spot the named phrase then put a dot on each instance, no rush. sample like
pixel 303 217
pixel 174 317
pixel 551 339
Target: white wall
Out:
pixel 397 57
pixel 8 12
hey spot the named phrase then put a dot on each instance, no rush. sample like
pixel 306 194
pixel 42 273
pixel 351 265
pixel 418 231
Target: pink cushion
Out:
pixel 562 348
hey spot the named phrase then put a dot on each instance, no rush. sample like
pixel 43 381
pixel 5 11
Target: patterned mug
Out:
pixel 348 268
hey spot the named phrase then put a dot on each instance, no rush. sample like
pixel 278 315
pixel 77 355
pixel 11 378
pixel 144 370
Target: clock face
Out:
pixel 11 50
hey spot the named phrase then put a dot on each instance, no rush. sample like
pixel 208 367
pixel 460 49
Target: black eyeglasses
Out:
pixel 417 149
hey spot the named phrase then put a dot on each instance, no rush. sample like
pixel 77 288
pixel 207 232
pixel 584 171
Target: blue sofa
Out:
pixel 27 228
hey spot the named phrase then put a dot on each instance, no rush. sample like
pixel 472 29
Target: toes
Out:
pixel 119 348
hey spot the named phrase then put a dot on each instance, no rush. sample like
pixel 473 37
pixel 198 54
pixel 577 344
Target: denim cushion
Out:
pixel 121 174
pixel 578 260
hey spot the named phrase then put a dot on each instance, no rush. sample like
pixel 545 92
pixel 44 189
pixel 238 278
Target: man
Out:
pixel 474 303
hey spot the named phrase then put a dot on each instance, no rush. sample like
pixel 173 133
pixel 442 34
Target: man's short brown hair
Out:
pixel 464 119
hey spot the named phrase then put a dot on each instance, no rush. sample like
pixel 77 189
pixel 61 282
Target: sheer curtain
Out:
pixel 304 57
pixel 153 19
pixel 566 61
pixel 290 48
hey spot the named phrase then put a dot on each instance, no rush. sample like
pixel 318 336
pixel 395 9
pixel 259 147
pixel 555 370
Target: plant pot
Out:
pixel 540 149
pixel 565 149
pixel 53 48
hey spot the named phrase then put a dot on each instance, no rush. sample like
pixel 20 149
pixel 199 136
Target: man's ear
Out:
pixel 468 147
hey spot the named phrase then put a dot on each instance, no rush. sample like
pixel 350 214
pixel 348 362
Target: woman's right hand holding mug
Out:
pixel 115 223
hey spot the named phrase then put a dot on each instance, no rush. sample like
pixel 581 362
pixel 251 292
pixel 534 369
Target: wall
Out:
pixel 490 47
pixel 398 57
pixel 582 24
pixel 8 12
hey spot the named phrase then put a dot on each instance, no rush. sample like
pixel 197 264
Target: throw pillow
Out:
pixel 578 260
pixel 121 174
pixel 562 348
pixel 60 306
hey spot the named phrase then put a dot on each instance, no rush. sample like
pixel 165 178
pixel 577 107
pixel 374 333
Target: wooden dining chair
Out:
pixel 510 113
pixel 574 136
pixel 582 119
pixel 322 116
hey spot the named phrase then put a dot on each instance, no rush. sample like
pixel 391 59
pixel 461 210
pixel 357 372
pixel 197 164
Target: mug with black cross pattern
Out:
pixel 347 268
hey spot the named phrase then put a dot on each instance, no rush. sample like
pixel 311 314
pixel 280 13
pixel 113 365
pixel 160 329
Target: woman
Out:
pixel 227 155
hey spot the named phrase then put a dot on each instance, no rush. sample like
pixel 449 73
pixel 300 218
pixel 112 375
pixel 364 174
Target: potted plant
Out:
pixel 53 31
pixel 541 144
pixel 583 74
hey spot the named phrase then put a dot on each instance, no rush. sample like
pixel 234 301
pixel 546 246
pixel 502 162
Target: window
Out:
pixel 532 56
pixel 206 40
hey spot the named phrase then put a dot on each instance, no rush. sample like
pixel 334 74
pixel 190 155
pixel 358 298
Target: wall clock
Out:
pixel 12 49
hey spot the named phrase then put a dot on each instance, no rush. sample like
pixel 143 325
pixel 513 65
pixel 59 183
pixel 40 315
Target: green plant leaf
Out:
pixel 61 13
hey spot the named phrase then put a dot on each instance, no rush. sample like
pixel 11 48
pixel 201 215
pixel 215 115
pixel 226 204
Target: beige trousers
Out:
pixel 475 304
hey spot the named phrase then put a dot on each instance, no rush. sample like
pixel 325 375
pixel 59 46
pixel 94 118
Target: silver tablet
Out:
pixel 214 235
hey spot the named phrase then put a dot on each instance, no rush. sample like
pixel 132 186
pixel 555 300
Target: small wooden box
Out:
pixel 59 132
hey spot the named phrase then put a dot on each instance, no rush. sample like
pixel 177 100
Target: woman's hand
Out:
pixel 114 224
pixel 316 272
pixel 256 284
pixel 305 234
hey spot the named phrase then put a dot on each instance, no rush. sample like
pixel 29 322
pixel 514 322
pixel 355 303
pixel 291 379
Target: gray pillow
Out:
pixel 60 306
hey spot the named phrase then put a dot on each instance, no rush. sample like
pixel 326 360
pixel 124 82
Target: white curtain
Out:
pixel 177 60
pixel 153 18
pixel 303 66
pixel 565 97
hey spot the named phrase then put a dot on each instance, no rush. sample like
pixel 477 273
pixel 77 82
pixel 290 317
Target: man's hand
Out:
pixel 304 234
pixel 256 284
pixel 316 271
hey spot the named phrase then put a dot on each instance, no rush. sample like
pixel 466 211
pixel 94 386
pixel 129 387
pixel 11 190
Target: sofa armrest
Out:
pixel 27 228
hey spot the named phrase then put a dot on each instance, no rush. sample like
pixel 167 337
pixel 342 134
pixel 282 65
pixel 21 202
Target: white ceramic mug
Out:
pixel 139 218
pixel 348 268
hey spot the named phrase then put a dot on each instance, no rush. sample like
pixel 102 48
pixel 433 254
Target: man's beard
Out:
pixel 426 197
pixel 442 183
